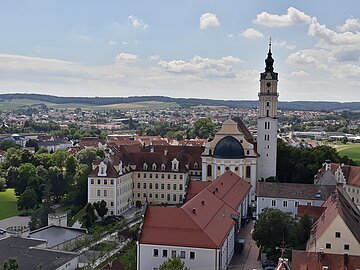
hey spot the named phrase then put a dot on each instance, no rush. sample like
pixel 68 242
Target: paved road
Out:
pixel 13 221
pixel 247 259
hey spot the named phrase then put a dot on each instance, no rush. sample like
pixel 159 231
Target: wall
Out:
pixel 72 265
pixel 265 202
pixel 204 258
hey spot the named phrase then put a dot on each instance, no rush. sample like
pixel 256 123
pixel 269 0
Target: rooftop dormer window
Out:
pixel 163 167
pixel 196 166
pixel 145 166
pixel 174 165
pixel 154 167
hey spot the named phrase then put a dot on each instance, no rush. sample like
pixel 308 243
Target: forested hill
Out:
pixel 185 102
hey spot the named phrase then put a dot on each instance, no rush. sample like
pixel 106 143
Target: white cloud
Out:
pixel 292 17
pixel 309 57
pixel 251 33
pixel 208 20
pixel 155 57
pixel 126 57
pixel 283 44
pixel 300 74
pixel 112 43
pixel 203 67
pixel 137 23
pixel 350 25
pixel 230 35
pixel 124 43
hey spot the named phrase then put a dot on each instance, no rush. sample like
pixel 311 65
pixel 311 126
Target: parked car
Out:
pixel 2 231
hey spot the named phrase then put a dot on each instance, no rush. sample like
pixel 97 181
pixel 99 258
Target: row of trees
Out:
pixel 299 165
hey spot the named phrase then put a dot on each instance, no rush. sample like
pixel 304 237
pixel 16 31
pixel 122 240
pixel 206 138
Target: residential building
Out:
pixel 340 174
pixel 288 196
pixel 337 231
pixel 203 232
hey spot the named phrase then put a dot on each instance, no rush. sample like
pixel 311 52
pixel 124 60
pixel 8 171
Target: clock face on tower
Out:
pixel 268 84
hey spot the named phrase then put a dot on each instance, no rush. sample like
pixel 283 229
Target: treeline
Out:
pixel 300 165
pixel 186 102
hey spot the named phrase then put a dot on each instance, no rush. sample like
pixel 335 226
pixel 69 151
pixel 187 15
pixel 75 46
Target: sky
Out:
pixel 189 48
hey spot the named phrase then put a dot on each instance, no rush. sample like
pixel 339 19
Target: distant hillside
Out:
pixel 184 102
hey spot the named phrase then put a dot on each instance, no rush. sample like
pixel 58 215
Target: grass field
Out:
pixel 8 204
pixel 352 150
pixel 15 104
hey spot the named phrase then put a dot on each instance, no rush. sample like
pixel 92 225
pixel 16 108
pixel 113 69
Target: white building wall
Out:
pixel 265 202
pixel 204 258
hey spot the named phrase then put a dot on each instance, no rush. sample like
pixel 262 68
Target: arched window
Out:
pixel 208 170
pixel 163 167
pixel 196 166
pixel 227 168
pixel 102 170
pixel 145 166
pixel 248 172
pixel 154 167
pixel 267 113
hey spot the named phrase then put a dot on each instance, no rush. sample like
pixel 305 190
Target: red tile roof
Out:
pixel 304 260
pixel 312 211
pixel 194 187
pixel 205 221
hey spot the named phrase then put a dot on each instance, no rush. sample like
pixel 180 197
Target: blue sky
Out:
pixel 207 49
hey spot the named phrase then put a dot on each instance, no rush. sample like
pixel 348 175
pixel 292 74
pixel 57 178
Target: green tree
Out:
pixel 86 156
pixel 27 200
pixel 203 128
pixel 59 157
pixel 301 233
pixel 2 184
pixel 5 145
pixel 101 208
pixel 78 193
pixel 173 264
pixel 59 185
pixel 39 217
pixel 10 264
pixel 272 227
pixel 27 174
pixel 89 216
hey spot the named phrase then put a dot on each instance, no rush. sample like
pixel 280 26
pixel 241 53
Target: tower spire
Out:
pixel 269 61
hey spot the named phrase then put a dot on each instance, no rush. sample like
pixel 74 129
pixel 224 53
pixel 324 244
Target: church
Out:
pixel 235 148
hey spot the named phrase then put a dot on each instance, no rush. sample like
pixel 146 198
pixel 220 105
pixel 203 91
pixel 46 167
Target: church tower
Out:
pixel 267 120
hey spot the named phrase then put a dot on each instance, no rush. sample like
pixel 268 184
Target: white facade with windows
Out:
pixel 267 125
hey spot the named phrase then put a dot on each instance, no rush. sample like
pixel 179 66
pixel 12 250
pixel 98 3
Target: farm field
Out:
pixel 15 104
pixel 8 204
pixel 352 150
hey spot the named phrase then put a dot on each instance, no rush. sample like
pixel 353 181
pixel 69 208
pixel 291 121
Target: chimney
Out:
pixel 194 210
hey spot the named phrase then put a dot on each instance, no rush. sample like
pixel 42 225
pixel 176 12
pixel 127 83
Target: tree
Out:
pixel 204 128
pixel 27 174
pixel 2 184
pixel 59 185
pixel 86 156
pixel 59 157
pixel 101 208
pixel 272 227
pixel 301 233
pixel 5 145
pixel 173 264
pixel 10 264
pixel 27 200
pixel 89 216
pixel 39 217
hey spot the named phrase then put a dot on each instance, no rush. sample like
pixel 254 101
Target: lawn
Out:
pixel 352 150
pixel 8 204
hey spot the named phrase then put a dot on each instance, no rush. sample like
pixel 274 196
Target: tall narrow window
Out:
pixel 267 113
pixel 208 170
pixel 248 172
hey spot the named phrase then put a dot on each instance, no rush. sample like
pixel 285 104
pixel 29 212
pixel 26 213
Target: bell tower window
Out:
pixel 208 170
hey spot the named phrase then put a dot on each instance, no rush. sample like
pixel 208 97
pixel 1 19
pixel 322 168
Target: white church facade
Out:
pixel 235 148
